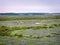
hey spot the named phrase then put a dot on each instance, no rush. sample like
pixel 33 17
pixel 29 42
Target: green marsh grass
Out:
pixel 17 31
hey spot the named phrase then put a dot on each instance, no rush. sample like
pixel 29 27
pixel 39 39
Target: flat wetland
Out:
pixel 30 30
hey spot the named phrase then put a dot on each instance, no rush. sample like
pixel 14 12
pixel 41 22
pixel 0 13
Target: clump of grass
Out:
pixel 35 27
pixel 55 25
pixel 37 37
pixel 4 31
pixel 20 35
pixel 48 36
pixel 51 35
pixel 51 26
pixel 25 27
pixel 15 28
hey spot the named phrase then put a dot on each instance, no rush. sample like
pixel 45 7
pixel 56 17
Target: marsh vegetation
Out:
pixel 29 30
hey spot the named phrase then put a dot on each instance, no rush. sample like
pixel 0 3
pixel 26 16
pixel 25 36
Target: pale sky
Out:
pixel 30 6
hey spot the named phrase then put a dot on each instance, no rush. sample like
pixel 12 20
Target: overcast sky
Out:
pixel 30 6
